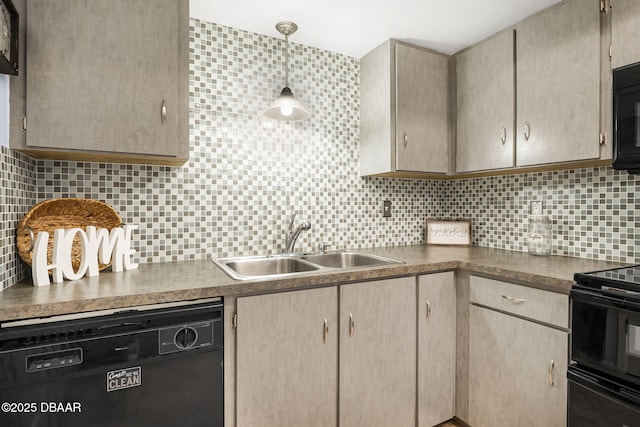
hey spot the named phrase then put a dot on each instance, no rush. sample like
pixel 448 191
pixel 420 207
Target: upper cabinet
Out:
pixel 107 81
pixel 558 84
pixel 404 126
pixel 485 97
pixel 544 76
pixel 625 32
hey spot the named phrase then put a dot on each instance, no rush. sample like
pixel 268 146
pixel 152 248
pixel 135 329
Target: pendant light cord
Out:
pixel 286 60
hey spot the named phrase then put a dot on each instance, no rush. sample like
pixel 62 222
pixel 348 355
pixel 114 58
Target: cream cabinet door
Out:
pixel 485 95
pixel 625 32
pixel 378 353
pixel 517 372
pixel 404 113
pixel 436 348
pixel 422 126
pixel 286 361
pixel 108 76
pixel 558 84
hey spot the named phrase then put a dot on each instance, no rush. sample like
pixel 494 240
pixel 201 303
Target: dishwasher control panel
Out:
pixel 57 359
pixel 185 337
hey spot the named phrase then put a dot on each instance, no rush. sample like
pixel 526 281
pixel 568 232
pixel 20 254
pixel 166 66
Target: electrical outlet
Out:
pixel 536 208
pixel 386 208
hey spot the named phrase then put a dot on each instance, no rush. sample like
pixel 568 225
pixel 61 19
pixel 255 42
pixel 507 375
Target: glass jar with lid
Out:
pixel 539 236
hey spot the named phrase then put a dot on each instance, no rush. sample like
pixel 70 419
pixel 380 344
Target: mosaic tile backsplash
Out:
pixel 247 175
pixel 17 196
pixel 594 212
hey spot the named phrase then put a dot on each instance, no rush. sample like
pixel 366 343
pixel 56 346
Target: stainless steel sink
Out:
pixel 348 259
pixel 245 268
pixel 271 267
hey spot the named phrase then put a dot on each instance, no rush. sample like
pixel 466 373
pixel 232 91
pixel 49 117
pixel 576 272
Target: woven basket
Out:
pixel 50 215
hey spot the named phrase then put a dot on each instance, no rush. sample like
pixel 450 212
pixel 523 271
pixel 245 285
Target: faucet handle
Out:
pixel 293 219
pixel 322 247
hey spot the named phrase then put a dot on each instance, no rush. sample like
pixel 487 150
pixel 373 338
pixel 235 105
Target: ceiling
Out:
pixel 354 27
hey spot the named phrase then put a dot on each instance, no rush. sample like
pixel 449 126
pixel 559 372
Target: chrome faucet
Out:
pixel 293 233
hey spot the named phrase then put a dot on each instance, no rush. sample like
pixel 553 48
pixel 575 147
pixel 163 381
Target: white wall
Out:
pixel 4 110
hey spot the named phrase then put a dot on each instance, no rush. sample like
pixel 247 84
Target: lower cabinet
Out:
pixel 287 359
pixel 517 369
pixel 378 353
pixel 383 353
pixel 289 371
pixel 436 348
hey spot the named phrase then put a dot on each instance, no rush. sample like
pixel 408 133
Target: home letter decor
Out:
pixel 97 246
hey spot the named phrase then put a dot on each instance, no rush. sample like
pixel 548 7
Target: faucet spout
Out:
pixel 293 233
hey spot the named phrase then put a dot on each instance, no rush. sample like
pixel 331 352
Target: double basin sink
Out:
pixel 271 267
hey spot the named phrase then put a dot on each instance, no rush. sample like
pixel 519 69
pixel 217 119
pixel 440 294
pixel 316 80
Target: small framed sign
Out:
pixel 449 232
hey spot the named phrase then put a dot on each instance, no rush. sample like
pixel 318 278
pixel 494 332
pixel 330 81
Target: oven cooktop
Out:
pixel 623 278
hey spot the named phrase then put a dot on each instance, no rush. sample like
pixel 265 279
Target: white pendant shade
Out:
pixel 286 107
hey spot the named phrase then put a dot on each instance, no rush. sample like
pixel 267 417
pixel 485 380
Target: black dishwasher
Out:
pixel 143 367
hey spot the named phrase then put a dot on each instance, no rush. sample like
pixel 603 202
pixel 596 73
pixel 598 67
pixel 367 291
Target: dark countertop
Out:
pixel 191 280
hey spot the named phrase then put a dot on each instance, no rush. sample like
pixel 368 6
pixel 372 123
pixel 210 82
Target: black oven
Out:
pixel 606 333
pixel 604 373
pixel 626 118
pixel 597 401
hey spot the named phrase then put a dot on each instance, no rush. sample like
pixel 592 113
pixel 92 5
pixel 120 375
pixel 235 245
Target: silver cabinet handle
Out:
pixel 163 112
pixel 428 309
pixel 503 135
pixel 603 138
pixel 512 299
pixel 325 332
pixel 551 367
pixel 352 325
pixel 406 140
pixel 527 131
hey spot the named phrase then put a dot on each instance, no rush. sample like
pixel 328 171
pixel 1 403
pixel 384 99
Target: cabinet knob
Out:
pixel 551 367
pixel 428 309
pixel 406 140
pixel 163 112
pixel 527 131
pixel 503 135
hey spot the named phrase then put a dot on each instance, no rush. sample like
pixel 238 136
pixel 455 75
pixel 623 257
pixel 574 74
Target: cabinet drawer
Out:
pixel 536 304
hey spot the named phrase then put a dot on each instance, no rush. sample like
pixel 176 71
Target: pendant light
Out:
pixel 286 106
